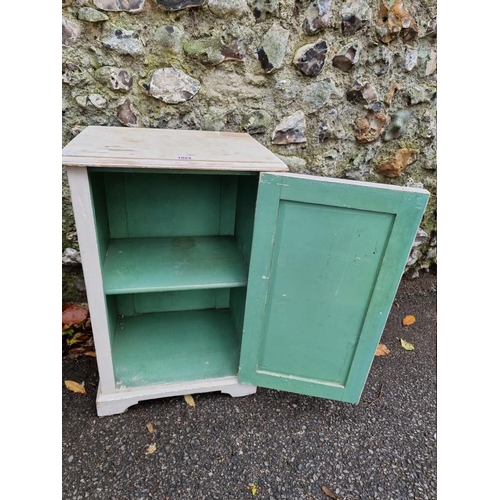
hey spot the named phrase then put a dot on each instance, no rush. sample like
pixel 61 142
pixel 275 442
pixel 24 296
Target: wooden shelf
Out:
pixel 137 265
pixel 160 348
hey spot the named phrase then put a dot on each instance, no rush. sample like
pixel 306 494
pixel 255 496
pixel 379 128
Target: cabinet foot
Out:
pixel 239 390
pixel 106 408
pixel 112 404
pixel 119 401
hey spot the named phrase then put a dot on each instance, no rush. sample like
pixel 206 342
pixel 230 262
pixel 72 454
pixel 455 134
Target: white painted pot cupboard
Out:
pixel 208 267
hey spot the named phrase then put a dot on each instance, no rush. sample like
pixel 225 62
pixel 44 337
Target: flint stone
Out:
pixel 214 118
pixel 123 41
pixel 362 93
pixel 71 257
pixel 396 21
pixel 380 60
pixel 387 26
pixel 233 52
pixel 126 114
pixel 409 28
pixel 70 32
pixel 223 8
pixel 294 163
pixel 429 125
pixel 272 51
pixel 431 28
pixel 171 86
pixel 289 89
pixel 170 37
pixel 317 17
pixel 211 51
pixel 431 65
pixel 264 7
pixel 311 57
pixel 346 61
pixel 397 126
pixel 331 127
pixel 355 14
pixel 91 15
pixel 371 126
pixel 131 6
pixel 95 100
pixel 393 89
pixel 418 185
pixel 81 100
pixel 419 94
pixel 359 167
pixel 411 59
pixel 172 5
pixel 415 255
pixel 256 122
pixel 114 78
pixel 397 162
pixel 317 94
pixel 290 130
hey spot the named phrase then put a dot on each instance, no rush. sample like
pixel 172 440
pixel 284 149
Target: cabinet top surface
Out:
pixel 124 147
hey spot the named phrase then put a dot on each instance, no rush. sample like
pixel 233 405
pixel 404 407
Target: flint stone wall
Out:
pixel 335 88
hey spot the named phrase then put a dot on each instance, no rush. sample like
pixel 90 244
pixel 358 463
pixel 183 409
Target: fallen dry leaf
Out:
pixel 150 427
pixel 382 350
pixel 78 337
pixel 328 492
pixel 75 386
pixel 73 314
pixel 189 400
pixel 92 354
pixel 253 488
pixel 409 320
pixel 407 345
pixel 151 449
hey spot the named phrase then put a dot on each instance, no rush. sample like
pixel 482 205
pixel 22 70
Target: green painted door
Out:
pixel 327 258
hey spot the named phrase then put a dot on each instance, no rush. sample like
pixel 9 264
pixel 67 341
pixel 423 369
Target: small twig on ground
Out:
pixel 378 397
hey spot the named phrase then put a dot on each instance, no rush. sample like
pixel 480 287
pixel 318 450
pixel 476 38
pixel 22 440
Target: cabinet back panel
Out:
pixel 152 205
pixel 185 300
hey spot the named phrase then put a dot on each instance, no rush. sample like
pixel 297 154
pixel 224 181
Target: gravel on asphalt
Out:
pixel 271 445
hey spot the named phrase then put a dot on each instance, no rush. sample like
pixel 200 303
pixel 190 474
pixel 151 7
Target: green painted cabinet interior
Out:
pixel 213 274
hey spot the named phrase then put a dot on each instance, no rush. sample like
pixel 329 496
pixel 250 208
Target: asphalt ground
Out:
pixel 271 445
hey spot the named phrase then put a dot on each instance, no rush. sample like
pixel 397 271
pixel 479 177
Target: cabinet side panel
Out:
pixel 98 193
pixel 237 308
pixel 87 238
pixel 116 204
pixel 229 186
pixel 112 315
pixel 245 213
